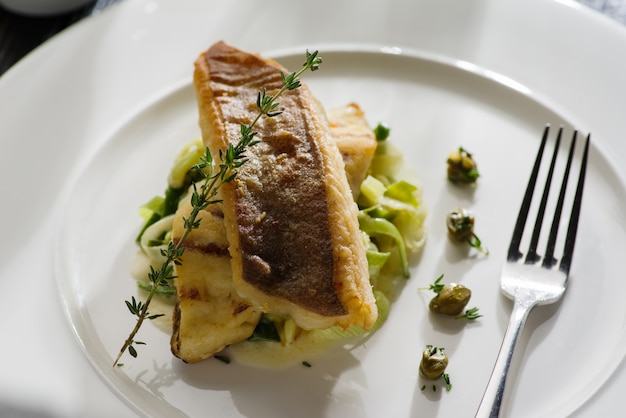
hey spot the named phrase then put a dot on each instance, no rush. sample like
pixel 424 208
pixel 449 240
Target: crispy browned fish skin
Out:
pixel 290 218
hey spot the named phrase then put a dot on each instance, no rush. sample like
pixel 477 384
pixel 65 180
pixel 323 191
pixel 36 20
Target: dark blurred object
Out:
pixel 8 410
pixel 19 34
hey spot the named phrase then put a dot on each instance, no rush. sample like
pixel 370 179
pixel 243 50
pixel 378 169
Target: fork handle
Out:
pixel 492 399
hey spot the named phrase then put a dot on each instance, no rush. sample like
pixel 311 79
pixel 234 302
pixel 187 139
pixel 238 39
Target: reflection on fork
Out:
pixel 533 280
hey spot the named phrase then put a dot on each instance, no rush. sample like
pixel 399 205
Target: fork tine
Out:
pixel 572 228
pixel 514 253
pixel 532 255
pixel 549 259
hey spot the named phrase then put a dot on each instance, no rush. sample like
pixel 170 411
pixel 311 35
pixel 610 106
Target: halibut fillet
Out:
pixel 290 219
pixel 209 314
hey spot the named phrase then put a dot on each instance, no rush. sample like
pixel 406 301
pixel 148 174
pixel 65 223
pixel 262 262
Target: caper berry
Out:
pixel 434 362
pixel 451 300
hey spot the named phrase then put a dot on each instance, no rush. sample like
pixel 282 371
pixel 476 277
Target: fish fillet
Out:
pixel 290 218
pixel 355 140
pixel 209 315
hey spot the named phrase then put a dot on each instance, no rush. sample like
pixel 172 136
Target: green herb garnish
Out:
pixel 446 378
pixel 381 131
pixel 436 286
pixel 470 314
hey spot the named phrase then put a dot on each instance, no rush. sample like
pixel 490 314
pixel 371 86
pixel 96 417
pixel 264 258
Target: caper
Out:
pixel 461 167
pixel 460 223
pixel 434 362
pixel 451 300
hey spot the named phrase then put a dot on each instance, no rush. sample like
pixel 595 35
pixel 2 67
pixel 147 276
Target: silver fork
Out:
pixel 531 281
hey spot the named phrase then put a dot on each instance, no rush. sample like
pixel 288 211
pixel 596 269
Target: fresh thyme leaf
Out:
pixel 446 378
pixel 132 306
pixel 312 61
pixel 436 286
pixel 306 364
pixel 470 314
pixel 214 177
pixel 475 242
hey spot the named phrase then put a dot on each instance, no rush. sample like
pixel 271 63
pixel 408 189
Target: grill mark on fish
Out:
pixel 208 248
pixel 188 293
pixel 239 308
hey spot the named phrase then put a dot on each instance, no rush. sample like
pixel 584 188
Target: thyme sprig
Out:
pixel 470 314
pixel 215 175
pixel 436 286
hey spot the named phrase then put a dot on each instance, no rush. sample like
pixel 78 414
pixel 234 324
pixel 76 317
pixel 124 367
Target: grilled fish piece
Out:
pixel 355 140
pixel 209 315
pixel 290 218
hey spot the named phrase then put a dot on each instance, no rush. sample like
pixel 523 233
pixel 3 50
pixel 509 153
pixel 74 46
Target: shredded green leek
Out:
pixel 181 175
pixel 404 192
pixel 372 190
pixel 188 157
pixel 382 227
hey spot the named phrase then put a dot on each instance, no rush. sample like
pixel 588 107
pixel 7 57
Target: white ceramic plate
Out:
pixel 433 106
pixel 91 101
